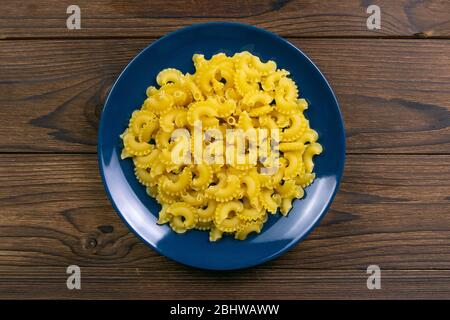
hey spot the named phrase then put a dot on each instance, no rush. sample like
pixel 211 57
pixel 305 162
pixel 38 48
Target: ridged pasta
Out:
pixel 239 92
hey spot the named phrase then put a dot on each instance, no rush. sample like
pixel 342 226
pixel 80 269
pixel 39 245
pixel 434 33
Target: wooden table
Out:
pixel 393 207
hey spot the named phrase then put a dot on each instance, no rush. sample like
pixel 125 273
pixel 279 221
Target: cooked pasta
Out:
pixel 218 188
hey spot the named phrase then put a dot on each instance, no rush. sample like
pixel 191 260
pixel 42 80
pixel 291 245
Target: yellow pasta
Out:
pixel 227 188
pixel 204 176
pixel 178 185
pixel 169 75
pixel 226 217
pixel 203 111
pixel 184 217
pixel 246 228
pixel 224 193
pixel 135 147
pixel 139 119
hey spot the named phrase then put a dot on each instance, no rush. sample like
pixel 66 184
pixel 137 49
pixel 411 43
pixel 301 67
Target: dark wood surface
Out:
pixel 394 94
pixel 393 207
pixel 289 18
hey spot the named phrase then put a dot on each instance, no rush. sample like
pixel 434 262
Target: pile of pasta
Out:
pixel 225 92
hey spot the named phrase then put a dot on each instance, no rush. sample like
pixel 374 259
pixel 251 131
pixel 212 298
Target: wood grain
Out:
pixel 192 284
pixel 394 94
pixel 393 205
pixel 293 18
pixel 391 210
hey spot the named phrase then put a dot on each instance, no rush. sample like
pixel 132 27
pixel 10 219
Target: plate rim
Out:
pixel 290 244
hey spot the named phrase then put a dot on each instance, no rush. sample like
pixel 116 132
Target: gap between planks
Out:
pixel 418 36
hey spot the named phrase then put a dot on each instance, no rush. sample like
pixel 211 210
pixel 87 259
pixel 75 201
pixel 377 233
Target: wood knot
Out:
pixel 103 94
pixel 421 35
pixel 89 242
pixel 94 106
pixel 106 229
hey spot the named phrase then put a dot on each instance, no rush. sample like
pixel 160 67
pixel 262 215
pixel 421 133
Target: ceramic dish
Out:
pixel 140 212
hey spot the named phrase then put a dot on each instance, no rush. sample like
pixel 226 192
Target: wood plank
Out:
pixel 293 18
pixel 394 94
pixel 391 210
pixel 183 283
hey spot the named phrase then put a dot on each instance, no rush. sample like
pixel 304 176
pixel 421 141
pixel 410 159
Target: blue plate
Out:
pixel 140 211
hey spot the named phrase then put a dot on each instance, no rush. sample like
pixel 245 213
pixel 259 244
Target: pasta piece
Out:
pixel 243 61
pixel 168 120
pixel 194 198
pixel 269 200
pixel 183 215
pixel 164 198
pixel 252 187
pixel 251 214
pixel 144 177
pixel 139 119
pixel 259 111
pixel 206 213
pixel 286 206
pixel 312 150
pixel 227 188
pixel 256 98
pixel 296 129
pixel 289 190
pixel 305 180
pixel 226 217
pixel 194 89
pixel 204 176
pixel 205 79
pixel 159 102
pixel 246 228
pixel 204 112
pixel 264 68
pixel 179 186
pixel 215 234
pixel 134 146
pixel 271 81
pixel 226 107
pixel 164 216
pixel 243 84
pixel 204 226
pixel 245 122
pixel 180 94
pixel 295 164
pixel 292 146
pixel 151 91
pixel 144 162
pixel 125 154
pixel 148 130
pixel 169 75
